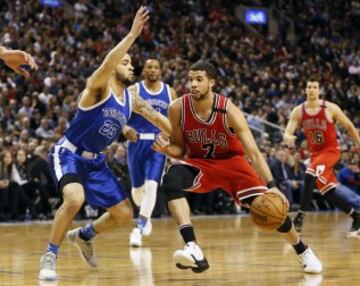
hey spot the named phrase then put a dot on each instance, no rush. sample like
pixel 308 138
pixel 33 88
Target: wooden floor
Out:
pixel 238 253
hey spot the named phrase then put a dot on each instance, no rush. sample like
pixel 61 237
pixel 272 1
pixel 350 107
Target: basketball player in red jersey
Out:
pixel 209 134
pixel 18 61
pixel 317 119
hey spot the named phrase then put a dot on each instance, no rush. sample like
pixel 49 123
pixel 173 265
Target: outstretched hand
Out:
pixel 141 17
pixel 19 62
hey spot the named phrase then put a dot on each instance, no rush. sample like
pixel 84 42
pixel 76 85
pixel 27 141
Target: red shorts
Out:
pixel 322 166
pixel 234 175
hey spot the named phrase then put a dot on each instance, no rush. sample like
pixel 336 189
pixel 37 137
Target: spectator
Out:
pixel 43 130
pixel 349 176
pixel 33 189
pixel 40 172
pixel 14 201
pixel 283 176
pixel 298 174
pixel 349 183
pixel 26 108
pixel 118 162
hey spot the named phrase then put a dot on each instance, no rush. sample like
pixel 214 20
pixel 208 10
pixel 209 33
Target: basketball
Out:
pixel 268 211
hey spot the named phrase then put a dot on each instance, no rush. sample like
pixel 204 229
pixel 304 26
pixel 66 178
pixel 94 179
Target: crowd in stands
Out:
pixel 265 77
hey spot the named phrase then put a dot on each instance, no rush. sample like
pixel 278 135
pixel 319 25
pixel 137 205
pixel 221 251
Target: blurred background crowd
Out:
pixel 264 75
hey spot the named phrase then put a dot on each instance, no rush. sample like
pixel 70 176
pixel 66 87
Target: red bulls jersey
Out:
pixel 319 130
pixel 210 139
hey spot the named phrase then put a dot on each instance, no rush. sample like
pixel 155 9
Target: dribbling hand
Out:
pixel 141 17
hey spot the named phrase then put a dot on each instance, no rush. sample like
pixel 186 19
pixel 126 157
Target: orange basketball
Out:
pixel 268 211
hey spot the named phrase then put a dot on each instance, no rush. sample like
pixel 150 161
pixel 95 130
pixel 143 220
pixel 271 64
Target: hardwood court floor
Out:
pixel 238 253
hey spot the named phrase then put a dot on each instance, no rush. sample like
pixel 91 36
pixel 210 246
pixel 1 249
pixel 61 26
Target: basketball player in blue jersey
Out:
pixel 80 168
pixel 145 165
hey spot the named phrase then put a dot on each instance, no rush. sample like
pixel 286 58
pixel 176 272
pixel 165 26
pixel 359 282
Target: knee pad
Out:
pixel 286 226
pixel 178 178
pixel 172 193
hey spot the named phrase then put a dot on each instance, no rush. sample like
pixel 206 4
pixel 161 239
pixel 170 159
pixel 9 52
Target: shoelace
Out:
pixel 48 263
pixel 303 256
pixel 195 252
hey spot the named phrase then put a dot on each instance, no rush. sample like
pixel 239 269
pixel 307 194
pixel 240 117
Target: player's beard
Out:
pixel 153 79
pixel 200 96
pixel 126 81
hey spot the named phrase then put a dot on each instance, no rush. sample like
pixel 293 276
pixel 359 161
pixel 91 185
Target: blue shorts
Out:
pixel 144 163
pixel 102 189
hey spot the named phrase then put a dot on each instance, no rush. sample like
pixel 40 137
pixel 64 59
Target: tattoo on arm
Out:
pixel 142 107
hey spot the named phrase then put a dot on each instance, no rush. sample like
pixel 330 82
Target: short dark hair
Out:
pixel 204 66
pixel 313 78
pixel 152 57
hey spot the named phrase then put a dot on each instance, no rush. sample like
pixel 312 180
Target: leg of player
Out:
pixel 82 237
pixel 137 194
pixel 178 178
pixel 191 257
pixel 144 226
pixel 147 207
pixel 339 202
pixel 73 195
pixel 309 186
pixel 306 256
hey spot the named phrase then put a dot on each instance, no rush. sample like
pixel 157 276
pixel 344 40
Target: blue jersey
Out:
pixel 92 130
pixel 96 127
pixel 158 100
pixel 144 163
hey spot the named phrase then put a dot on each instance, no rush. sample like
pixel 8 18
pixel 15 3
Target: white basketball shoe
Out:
pixel 310 262
pixel 191 257
pixel 135 238
pixel 48 267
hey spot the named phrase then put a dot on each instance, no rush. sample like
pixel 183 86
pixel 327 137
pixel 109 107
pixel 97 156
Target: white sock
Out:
pixel 149 199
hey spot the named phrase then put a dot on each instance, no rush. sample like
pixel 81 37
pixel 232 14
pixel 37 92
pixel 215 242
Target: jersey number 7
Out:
pixel 210 147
